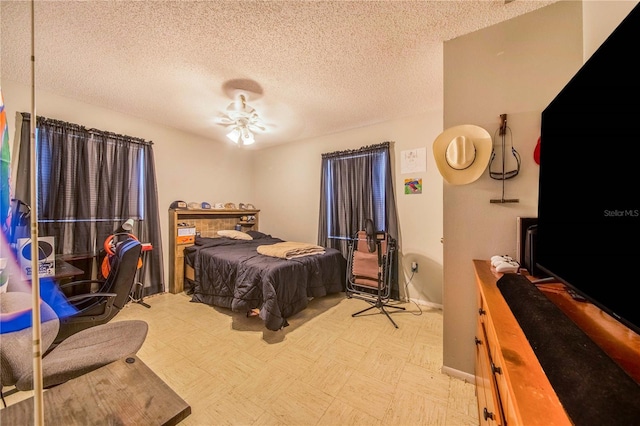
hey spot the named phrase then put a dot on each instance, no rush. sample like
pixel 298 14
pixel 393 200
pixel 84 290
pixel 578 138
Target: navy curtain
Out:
pixel 356 185
pixel 90 182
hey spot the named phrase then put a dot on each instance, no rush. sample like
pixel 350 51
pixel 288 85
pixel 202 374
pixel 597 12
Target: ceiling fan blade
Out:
pixel 240 114
pixel 224 120
pixel 257 127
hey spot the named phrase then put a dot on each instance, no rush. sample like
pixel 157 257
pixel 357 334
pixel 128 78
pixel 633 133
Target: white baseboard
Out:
pixel 469 378
pixel 426 303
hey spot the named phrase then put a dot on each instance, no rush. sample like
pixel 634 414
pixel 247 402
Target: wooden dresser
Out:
pixel 207 222
pixel 512 387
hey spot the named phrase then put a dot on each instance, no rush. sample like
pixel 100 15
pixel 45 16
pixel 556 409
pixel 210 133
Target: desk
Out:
pixel 65 270
pixel 83 261
pixel 120 393
pixel 65 273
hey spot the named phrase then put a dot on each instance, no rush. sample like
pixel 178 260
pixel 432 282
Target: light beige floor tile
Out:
pixel 314 341
pixel 433 321
pixel 360 332
pixel 333 319
pixel 457 419
pixel 300 404
pixel 263 350
pixel 226 410
pixel 326 368
pixel 411 408
pixel 426 355
pixel 199 344
pixel 296 361
pixel 328 375
pixel 204 393
pixel 367 394
pixel 183 376
pixel 231 371
pixel 264 386
pixel 382 365
pixel 169 330
pixel 340 413
pixel 269 419
pixel 201 415
pixel 418 380
pixel 344 351
pixel 391 345
pixel 161 357
pixel 462 402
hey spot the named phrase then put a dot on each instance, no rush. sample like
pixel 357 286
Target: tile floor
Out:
pixel 326 368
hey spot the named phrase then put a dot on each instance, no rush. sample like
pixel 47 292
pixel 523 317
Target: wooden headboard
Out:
pixel 206 222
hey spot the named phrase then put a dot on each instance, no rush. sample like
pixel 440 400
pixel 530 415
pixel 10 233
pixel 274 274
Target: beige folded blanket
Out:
pixel 290 249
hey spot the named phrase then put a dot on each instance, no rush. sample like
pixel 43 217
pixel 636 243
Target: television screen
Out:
pixel 589 194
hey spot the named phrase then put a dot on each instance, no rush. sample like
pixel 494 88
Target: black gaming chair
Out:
pixel 112 295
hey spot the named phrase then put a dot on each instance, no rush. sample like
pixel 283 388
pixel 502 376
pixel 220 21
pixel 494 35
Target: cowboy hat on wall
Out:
pixel 462 153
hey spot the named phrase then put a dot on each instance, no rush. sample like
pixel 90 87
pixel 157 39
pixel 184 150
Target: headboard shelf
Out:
pixel 207 222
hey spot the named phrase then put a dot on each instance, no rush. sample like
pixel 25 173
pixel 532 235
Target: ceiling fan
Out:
pixel 242 120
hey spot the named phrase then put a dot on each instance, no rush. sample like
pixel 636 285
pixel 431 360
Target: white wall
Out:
pixel 188 167
pixel 600 18
pixel 287 184
pixel 514 68
pixel 518 66
pixel 282 181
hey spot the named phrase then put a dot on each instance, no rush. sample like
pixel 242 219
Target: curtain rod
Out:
pixel 362 150
pixel 92 131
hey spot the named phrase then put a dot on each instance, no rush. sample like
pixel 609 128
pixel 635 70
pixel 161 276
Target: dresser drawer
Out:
pixel 489 406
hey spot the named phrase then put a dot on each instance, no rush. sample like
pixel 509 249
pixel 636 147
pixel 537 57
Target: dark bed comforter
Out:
pixel 232 274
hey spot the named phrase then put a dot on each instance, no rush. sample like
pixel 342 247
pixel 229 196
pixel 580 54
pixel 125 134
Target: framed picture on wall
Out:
pixel 413 186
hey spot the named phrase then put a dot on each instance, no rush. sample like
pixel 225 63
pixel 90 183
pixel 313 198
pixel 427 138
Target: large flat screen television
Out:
pixel 589 191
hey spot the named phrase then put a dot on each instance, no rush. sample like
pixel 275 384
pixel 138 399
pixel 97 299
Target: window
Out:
pixel 356 185
pixel 88 183
pixel 124 172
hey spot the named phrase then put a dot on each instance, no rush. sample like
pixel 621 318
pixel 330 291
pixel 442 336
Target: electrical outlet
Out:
pixel 414 266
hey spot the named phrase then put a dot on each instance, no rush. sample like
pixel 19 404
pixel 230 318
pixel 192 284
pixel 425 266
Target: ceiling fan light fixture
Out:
pixel 243 120
pixel 241 133
pixel 240 108
pixel 234 135
pixel 247 137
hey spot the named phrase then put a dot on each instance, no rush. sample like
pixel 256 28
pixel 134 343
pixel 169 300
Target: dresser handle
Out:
pixel 487 415
pixel 481 311
pixel 495 369
pixel 478 341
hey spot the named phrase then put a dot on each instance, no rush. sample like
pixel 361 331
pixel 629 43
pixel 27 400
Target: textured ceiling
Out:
pixel 321 66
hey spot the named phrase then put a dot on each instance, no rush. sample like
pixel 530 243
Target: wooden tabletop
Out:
pixel 125 392
pixel 618 341
pixel 66 270
pixel 527 377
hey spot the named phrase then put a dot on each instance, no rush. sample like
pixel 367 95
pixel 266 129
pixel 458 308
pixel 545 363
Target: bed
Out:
pixel 232 273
